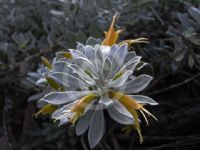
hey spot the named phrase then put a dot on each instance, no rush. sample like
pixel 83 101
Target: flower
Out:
pixel 98 76
pixel 112 36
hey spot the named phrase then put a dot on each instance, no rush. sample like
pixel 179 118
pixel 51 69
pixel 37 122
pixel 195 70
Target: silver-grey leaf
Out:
pixel 61 66
pixel 131 64
pixel 82 74
pixel 99 60
pixel 75 53
pixel 84 122
pixel 137 84
pixel 58 98
pixel 67 80
pixel 143 99
pixel 38 95
pixel 92 41
pixel 118 59
pixel 105 100
pixel 96 129
pixel 80 47
pixel 87 65
pixel 121 53
pixel 121 80
pixel 41 82
pixel 113 50
pixel 194 13
pixel 130 56
pixel 107 65
pixel 120 114
pixel 90 53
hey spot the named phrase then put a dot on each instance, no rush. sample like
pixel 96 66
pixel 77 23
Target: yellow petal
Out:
pixel 83 103
pixel 46 62
pixel 80 106
pixel 47 109
pixel 67 55
pixel 125 100
pixel 132 106
pixel 53 83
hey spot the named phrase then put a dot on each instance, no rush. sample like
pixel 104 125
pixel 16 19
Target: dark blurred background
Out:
pixel 33 28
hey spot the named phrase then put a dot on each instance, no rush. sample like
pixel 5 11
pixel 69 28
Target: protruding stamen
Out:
pixel 140 136
pixel 47 109
pixel 150 114
pixel 113 21
pixel 144 117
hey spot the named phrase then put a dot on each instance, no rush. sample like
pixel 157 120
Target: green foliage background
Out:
pixel 33 28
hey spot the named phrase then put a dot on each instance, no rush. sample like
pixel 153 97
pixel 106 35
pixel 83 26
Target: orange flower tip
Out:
pixel 67 55
pixel 114 19
pixel 111 36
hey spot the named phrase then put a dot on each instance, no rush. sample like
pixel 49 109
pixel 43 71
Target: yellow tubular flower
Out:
pixel 112 35
pixel 126 100
pixel 80 106
pixel 53 83
pixel 46 63
pixel 47 109
pixel 137 124
pixel 67 55
pixel 131 105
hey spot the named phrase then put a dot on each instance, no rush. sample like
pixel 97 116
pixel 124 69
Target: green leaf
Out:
pixel 94 29
pixel 81 37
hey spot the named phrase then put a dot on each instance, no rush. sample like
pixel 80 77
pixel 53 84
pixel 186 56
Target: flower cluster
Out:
pixel 94 77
